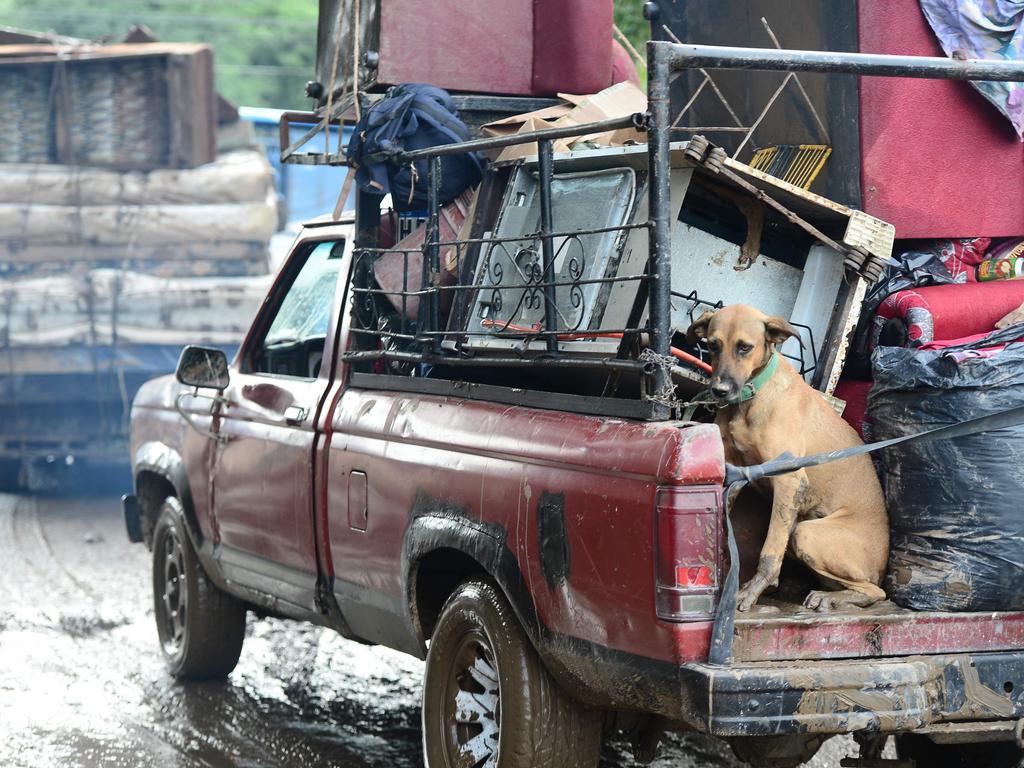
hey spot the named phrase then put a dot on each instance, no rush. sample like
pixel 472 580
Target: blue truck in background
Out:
pixel 79 337
pixel 306 191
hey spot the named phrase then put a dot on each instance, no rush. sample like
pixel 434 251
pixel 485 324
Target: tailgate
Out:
pixel 784 631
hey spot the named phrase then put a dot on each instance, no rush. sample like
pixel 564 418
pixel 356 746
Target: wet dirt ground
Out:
pixel 82 684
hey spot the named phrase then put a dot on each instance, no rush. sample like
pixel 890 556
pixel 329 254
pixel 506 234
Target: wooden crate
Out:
pixel 127 107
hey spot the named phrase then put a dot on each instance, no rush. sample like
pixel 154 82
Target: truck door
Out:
pixel 262 477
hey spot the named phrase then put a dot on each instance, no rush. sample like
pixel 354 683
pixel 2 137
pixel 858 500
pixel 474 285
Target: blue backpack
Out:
pixel 411 116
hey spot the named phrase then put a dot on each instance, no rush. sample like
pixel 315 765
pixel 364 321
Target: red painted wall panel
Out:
pixel 513 47
pixel 475 46
pixel 572 42
pixel 938 160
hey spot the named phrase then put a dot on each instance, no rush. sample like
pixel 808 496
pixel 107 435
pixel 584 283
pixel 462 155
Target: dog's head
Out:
pixel 740 340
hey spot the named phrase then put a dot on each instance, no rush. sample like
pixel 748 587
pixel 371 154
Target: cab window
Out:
pixel 293 344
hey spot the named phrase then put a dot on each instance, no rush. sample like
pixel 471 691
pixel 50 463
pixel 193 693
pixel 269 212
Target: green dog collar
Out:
pixel 747 392
pixel 752 387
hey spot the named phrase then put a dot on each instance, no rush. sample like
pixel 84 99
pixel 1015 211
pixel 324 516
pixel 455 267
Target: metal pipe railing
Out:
pixel 637 120
pixel 689 56
pixel 659 262
pixel 545 167
pixel 664 60
pixel 432 253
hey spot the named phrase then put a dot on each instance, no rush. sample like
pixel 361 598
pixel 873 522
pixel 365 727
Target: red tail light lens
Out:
pixel 688 534
pixel 689 576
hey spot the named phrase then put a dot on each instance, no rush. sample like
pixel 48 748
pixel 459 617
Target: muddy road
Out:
pixel 82 684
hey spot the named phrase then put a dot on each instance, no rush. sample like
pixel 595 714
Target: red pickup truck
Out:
pixel 482 463
pixel 553 567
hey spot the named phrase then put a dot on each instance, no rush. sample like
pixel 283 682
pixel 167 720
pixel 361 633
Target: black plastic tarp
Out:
pixel 956 507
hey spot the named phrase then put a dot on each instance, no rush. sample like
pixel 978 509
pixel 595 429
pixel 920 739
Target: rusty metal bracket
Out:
pixel 289 150
pixel 875 762
pixel 793 218
pixel 217 400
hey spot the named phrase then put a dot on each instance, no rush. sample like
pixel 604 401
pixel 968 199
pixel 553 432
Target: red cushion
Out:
pixel 855 393
pixel 940 312
pixel 937 159
pixel 572 45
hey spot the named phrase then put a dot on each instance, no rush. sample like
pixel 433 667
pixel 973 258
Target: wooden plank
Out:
pixel 193 109
pixel 234 177
pixel 20 54
pixel 33 252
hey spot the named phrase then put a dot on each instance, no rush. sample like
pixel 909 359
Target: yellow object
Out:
pixel 798 164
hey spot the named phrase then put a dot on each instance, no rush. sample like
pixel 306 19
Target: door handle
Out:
pixel 294 415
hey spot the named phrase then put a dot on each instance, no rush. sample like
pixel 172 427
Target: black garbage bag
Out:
pixel 956 507
pixel 409 117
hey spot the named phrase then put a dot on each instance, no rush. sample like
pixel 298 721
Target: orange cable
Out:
pixel 677 353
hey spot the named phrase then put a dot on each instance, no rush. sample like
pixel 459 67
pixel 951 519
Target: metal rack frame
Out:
pixel 665 59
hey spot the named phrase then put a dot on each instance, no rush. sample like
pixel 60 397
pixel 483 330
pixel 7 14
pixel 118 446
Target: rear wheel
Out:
pixel 925 752
pixel 200 627
pixel 788 751
pixel 488 701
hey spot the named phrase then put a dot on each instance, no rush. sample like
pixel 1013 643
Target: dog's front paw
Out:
pixel 750 592
pixel 818 600
pixel 824 601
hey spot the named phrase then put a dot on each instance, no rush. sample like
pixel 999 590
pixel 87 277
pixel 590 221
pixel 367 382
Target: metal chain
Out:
pixel 667 394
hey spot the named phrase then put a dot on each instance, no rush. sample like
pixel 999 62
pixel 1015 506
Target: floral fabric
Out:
pixel 984 29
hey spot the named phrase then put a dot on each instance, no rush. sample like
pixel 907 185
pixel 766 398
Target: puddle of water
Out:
pixel 82 683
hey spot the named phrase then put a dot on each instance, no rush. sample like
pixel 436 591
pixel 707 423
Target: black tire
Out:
pixel 926 753
pixel 788 751
pixel 201 628
pixel 11 480
pixel 514 715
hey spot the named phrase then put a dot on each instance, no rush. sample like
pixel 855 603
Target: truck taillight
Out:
pixel 687 543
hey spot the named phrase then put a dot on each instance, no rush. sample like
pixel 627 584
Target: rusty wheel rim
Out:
pixel 172 593
pixel 472 705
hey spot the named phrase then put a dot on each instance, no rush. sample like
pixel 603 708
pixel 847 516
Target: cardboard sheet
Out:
pixel 619 100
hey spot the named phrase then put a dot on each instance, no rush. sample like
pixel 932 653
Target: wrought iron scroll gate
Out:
pixel 413 330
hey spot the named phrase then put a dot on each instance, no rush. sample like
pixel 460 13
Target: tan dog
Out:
pixel 831 517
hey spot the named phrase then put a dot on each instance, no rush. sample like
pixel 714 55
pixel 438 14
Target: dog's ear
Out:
pixel 778 329
pixel 699 329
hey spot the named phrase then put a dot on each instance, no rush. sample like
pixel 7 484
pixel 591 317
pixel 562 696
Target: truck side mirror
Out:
pixel 203 367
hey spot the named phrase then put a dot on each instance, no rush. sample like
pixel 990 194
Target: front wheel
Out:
pixel 201 628
pixel 488 701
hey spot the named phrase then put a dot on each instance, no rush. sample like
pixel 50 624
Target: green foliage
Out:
pixel 629 18
pixel 265 49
